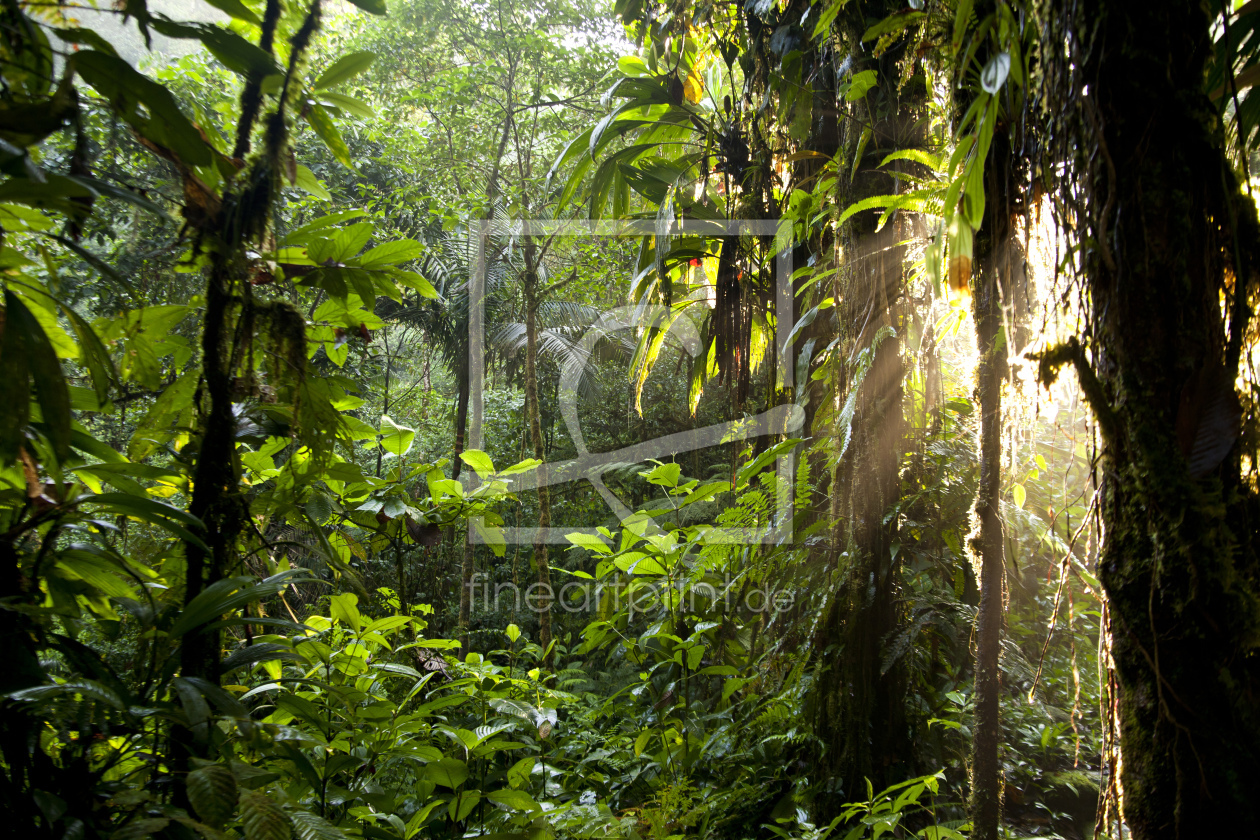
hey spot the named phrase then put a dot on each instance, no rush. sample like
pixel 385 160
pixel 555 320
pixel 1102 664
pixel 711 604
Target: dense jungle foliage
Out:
pixel 552 419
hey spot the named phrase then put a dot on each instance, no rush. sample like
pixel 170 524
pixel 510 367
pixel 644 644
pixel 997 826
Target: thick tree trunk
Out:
pixel 860 704
pixel 863 717
pixel 1166 231
pixel 216 501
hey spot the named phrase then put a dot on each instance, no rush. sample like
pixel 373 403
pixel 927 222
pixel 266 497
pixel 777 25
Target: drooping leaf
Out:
pixel 463 803
pixel 27 347
pixel 375 7
pixel 306 180
pixel 233 52
pixel 236 9
pixel 212 793
pixel 320 120
pixel 224 596
pixel 263 818
pixel 344 69
pixel 309 826
pixel 15 409
pixel 348 105
pixel 127 89
pixel 392 253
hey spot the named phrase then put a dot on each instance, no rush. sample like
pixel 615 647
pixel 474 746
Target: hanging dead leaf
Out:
pixel 427 534
pixel 34 487
pixel 959 273
pixel 693 88
pixel 677 90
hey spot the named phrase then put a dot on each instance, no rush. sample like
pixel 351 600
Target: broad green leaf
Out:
pixel 479 461
pixel 322 122
pixel 641 742
pixel 212 793
pixel 893 24
pixel 463 803
pixel 707 491
pixel 225 596
pixel 392 253
pixel 522 467
pixel 22 340
pixel 518 774
pixel 449 772
pixel 632 65
pixel 389 622
pixel 236 9
pixel 263 818
pixel 171 519
pixel 306 180
pixel 517 800
pixel 395 439
pixel 827 17
pixel 344 608
pixel 417 820
pixel 351 105
pixel 590 542
pixel 318 229
pixel 664 475
pixel 344 69
pixel 310 826
pixel 639 564
pixel 862 82
pixel 164 123
pixel 169 415
pixel 718 671
pixel 233 52
pixel 87 688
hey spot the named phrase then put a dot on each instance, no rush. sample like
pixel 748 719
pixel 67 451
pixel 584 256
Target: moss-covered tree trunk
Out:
pixel 986 541
pixel 1166 234
pixel 861 715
